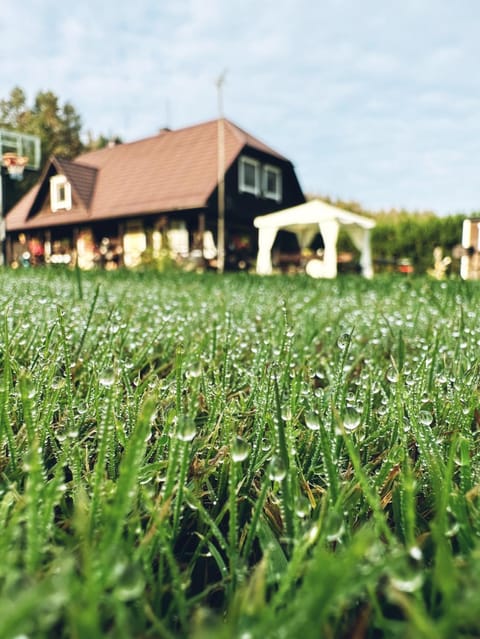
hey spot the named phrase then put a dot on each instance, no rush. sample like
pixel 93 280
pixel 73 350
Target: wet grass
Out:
pixel 204 456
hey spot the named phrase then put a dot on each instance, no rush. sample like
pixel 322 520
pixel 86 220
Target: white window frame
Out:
pixel 277 193
pixel 242 185
pixel 58 203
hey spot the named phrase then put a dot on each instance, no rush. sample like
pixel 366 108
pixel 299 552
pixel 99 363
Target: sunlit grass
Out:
pixel 235 456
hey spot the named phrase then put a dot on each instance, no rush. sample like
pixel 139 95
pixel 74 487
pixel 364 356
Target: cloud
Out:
pixel 371 101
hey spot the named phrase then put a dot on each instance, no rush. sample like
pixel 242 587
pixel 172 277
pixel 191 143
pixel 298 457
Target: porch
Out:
pixel 113 244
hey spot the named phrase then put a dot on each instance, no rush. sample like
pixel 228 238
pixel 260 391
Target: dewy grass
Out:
pixel 204 456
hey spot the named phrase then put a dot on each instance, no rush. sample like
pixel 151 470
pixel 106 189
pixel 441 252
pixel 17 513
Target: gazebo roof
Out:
pixel 299 217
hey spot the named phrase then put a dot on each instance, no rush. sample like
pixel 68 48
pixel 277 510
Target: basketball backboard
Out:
pixel 22 145
pixel 17 152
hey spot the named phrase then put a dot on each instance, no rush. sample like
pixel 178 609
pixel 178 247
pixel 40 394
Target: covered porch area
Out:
pixel 109 244
pixel 306 221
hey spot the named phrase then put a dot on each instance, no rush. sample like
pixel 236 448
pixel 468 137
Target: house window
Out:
pixel 272 182
pixel 60 193
pixel 249 176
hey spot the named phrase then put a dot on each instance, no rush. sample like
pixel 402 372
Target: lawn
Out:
pixel 231 456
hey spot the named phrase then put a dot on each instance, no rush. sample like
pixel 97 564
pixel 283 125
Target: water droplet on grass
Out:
pixel 186 429
pixel 382 410
pixel 312 534
pixel 425 399
pixel 335 527
pixel 31 392
pixel 107 377
pixel 425 417
pixel 82 409
pixel 240 449
pixel 343 341
pixel 265 445
pixel 392 375
pixel 57 382
pixel 416 553
pixel 191 504
pixel 195 370
pixel 302 506
pixel 130 584
pixel 453 527
pixel 351 419
pixel 276 469
pixel 408 583
pixel 312 421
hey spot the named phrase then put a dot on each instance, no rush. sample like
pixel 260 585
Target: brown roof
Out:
pixel 173 170
pixel 81 177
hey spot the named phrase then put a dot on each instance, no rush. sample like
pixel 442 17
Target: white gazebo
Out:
pixel 306 220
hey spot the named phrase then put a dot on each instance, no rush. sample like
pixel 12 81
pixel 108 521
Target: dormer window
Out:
pixel 60 193
pixel 272 182
pixel 262 180
pixel 249 176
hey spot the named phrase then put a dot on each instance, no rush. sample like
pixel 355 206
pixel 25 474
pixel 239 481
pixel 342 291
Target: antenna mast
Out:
pixel 167 114
pixel 221 175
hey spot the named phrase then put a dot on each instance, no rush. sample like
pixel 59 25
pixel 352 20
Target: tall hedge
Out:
pixel 414 236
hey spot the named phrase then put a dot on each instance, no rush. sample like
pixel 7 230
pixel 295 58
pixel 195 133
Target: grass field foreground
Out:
pixel 205 456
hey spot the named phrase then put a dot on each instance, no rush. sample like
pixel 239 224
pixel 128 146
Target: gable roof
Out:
pixel 174 170
pixel 81 177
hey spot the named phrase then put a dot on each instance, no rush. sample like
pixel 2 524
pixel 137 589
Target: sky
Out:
pixel 374 101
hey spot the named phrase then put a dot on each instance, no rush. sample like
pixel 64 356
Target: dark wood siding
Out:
pixel 241 208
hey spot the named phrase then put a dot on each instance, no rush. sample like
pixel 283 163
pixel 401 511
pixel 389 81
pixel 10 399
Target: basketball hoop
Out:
pixel 15 165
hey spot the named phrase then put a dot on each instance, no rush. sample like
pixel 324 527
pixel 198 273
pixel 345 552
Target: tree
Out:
pixel 95 143
pixel 58 126
pixel 13 110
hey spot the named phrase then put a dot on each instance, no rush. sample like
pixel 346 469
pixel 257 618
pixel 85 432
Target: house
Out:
pixel 123 202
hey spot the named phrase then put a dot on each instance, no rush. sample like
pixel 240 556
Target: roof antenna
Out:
pixel 221 175
pixel 219 84
pixel 167 126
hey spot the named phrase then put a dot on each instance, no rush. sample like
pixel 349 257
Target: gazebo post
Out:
pixel 366 255
pixel 266 238
pixel 329 230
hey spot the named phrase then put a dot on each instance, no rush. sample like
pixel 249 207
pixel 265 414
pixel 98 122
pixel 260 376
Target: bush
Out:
pixel 414 236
